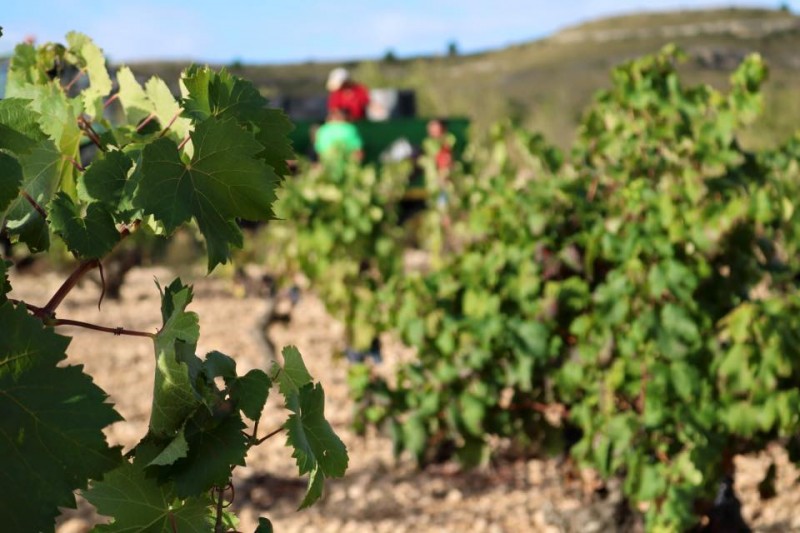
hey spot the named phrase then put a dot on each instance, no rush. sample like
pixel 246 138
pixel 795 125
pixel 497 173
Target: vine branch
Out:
pixel 86 126
pixel 69 284
pixel 268 436
pixel 116 331
pixel 39 209
pixel 170 123
pixel 74 80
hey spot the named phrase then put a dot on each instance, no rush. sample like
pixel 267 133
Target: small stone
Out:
pixel 453 496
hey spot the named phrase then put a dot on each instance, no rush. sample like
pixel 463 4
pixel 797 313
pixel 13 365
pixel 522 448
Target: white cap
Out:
pixel 336 78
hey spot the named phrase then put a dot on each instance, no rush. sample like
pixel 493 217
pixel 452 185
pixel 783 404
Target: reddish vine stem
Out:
pixel 111 99
pixel 69 284
pixel 86 126
pixel 104 329
pixel 75 164
pixel 268 436
pixel 183 142
pixel 102 285
pixel 170 123
pixel 74 80
pixel 145 122
pixel 39 209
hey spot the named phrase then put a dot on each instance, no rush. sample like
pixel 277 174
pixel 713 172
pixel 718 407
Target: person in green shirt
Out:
pixel 338 140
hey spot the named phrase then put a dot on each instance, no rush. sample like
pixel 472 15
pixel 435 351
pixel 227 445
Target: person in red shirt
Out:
pixel 347 95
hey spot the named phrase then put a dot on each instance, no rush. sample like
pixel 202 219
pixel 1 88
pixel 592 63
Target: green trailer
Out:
pixel 378 136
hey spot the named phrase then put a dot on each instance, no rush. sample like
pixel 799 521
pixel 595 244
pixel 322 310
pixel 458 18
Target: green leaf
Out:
pixel 217 364
pixel 89 237
pixel 41 170
pixel 472 412
pixel 174 395
pixel 139 503
pixel 105 179
pixel 51 439
pixel 94 63
pixel 264 525
pixel 212 453
pixel 250 392
pixel 316 482
pixel 317 449
pixel 222 182
pixel 294 373
pixel 273 129
pixel 166 109
pixel 222 95
pixel 10 179
pixel 135 103
pixel 176 449
pixel 19 126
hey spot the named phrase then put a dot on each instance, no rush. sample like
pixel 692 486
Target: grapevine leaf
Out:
pixel 317 449
pixel 94 64
pixel 273 130
pixel 250 393
pixel 264 525
pixel 51 438
pixel 10 179
pixel 25 343
pixel 135 103
pixel 222 95
pixel 174 395
pixel 293 375
pixel 19 126
pixel 222 182
pixel 316 482
pixel 104 180
pixel 88 237
pixel 218 364
pixel 166 108
pixel 212 452
pixel 139 503
pixel 176 449
pixel 40 178
pixel 58 118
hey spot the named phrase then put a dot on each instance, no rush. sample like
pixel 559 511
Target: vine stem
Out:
pixel 74 80
pixel 34 204
pixel 183 142
pixel 69 284
pixel 111 99
pixel 75 164
pixel 171 122
pixel 149 118
pixel 86 126
pixel 218 523
pixel 95 327
pixel 268 436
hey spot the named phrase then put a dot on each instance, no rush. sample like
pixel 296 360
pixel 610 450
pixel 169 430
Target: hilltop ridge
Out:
pixel 546 83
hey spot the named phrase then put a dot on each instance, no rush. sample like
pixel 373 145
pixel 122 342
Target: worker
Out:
pixel 345 94
pixel 337 140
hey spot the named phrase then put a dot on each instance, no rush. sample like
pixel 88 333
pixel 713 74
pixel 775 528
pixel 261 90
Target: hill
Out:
pixel 545 84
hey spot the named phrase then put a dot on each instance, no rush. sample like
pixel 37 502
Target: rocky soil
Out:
pixel 379 493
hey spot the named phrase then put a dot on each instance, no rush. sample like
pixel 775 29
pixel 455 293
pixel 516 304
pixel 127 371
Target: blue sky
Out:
pixel 270 31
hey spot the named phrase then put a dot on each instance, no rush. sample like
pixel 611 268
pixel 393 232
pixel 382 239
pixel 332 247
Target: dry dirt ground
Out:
pixel 379 493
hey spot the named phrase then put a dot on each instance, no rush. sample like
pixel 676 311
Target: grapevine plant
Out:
pixel 338 227
pixel 634 303
pixel 213 156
